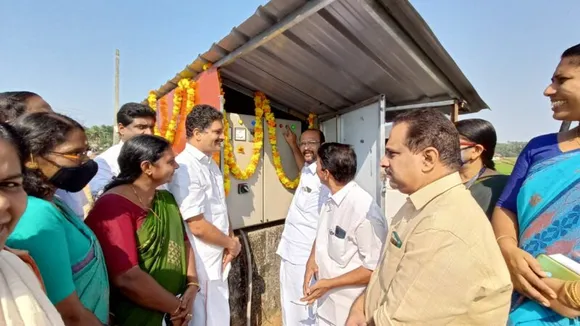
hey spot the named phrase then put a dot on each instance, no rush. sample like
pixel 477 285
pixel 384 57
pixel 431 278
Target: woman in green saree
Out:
pixel 151 265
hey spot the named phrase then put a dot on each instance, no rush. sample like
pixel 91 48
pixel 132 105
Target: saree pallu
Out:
pixel 161 249
pixel 548 218
pixel 90 274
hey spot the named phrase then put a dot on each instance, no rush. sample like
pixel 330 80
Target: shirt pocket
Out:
pixel 307 198
pixel 340 249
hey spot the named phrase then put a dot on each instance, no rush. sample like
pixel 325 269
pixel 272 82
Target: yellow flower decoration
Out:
pixel 311 121
pixel 276 159
pixel 152 101
pixel 184 89
pixel 229 158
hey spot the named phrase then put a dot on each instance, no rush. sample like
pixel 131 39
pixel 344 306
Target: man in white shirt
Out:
pixel 300 227
pixel 133 119
pixel 350 236
pixel 198 187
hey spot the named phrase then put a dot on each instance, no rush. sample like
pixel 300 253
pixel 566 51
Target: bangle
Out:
pixel 571 294
pixel 506 236
pixel 194 284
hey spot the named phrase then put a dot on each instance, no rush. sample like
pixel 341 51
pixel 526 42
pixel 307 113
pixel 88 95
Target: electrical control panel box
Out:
pixel 261 198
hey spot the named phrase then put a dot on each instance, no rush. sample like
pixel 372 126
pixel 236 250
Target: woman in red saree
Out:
pixel 151 266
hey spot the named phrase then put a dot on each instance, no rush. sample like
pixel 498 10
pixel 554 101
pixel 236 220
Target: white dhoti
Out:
pixel 211 306
pixel 291 277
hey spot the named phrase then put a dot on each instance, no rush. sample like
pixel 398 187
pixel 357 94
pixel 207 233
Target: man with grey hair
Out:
pixel 441 264
pixel 199 190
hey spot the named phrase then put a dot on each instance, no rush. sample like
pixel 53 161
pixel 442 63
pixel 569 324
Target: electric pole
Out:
pixel 116 105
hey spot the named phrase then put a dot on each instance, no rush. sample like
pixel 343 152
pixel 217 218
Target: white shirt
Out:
pixel 302 219
pixel 351 234
pixel 76 201
pixel 198 188
pixel 108 169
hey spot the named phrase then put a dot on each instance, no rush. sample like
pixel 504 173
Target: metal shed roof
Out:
pixel 323 56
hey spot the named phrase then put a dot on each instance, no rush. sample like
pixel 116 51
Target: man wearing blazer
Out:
pixel 441 264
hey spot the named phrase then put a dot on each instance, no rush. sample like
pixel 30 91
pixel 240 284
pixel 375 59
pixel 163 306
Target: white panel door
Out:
pixel 363 129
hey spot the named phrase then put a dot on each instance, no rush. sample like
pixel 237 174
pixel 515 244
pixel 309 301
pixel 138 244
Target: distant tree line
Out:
pixel 100 137
pixel 510 149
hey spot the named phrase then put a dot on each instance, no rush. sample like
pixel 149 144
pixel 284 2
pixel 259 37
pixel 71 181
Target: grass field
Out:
pixel 505 165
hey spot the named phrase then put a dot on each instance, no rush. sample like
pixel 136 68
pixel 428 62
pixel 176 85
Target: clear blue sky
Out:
pixel 64 50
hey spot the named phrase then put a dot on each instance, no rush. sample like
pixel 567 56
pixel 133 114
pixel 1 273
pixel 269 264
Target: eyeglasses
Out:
pixel 466 145
pixel 309 143
pixel 72 156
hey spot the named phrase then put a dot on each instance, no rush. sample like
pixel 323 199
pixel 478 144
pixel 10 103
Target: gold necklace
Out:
pixel 141 201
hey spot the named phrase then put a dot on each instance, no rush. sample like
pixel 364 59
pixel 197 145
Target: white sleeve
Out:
pixel 189 192
pixel 103 177
pixel 370 237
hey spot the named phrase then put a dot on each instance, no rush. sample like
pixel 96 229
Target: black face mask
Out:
pixel 74 179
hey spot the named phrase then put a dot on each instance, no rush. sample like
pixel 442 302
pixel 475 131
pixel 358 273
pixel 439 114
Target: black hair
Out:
pixel 135 151
pixel 201 117
pixel 483 133
pixel 41 132
pixel 22 96
pixel 320 134
pixel 339 160
pixel 573 53
pixel 11 107
pixel 9 135
pixel 431 128
pixel 129 111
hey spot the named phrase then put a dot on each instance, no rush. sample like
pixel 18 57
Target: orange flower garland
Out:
pixel 311 121
pixel 162 116
pixel 179 105
pixel 256 150
pixel 271 122
pixel 189 104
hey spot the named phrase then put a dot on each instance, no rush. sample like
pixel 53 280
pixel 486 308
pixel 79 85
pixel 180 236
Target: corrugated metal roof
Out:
pixel 322 56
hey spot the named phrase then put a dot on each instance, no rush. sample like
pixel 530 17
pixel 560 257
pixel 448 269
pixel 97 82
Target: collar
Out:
pixel 197 154
pixel 423 196
pixel 339 196
pixel 310 168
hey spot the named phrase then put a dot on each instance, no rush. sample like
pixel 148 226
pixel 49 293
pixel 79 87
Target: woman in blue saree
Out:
pixel 539 210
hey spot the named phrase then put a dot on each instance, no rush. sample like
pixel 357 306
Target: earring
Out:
pixel 31 164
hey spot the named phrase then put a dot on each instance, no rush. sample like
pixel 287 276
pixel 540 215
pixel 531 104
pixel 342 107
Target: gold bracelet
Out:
pixel 575 295
pixel 506 236
pixel 194 284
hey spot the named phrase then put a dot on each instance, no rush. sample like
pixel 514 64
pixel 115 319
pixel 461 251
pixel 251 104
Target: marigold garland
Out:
pixel 189 104
pixel 179 105
pixel 227 153
pixel 162 116
pixel 311 121
pixel 152 101
pixel 271 123
pixel 229 157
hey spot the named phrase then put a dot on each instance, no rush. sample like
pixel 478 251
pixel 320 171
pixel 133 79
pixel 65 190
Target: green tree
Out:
pixel 100 137
pixel 510 149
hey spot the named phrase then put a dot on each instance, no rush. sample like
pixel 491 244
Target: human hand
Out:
pixel 356 318
pixel 228 257
pixel 185 309
pixel 311 271
pixel 526 274
pixel 317 290
pixel 290 136
pixel 235 246
pixel 561 305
